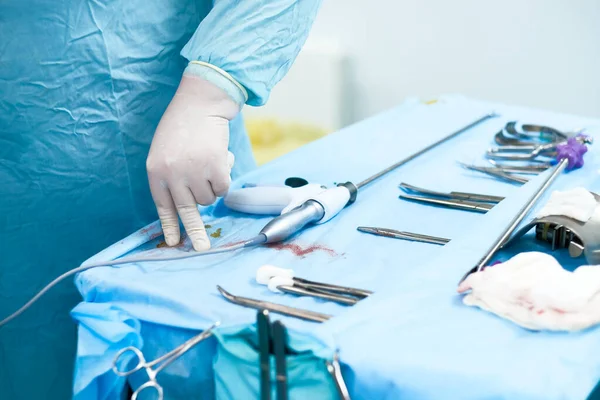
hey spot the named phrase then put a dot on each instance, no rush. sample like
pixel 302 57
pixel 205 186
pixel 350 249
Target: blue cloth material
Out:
pixel 83 85
pixel 237 360
pixel 256 41
pixel 413 339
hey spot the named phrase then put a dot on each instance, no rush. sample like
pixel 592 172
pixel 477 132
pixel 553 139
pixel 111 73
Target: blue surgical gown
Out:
pixel 83 84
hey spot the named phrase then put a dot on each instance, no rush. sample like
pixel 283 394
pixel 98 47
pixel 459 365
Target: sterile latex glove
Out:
pixel 189 162
pixel 534 291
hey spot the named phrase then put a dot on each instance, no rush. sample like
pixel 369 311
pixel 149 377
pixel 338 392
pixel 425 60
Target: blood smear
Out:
pixel 299 251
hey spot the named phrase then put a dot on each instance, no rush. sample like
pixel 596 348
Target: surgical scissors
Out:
pixel 161 363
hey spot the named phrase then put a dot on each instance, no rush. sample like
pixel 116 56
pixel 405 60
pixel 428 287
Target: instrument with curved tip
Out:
pixel 534 168
pixel 335 370
pixel 516 134
pixel 458 204
pixel 496 172
pixel 452 195
pixel 535 132
pixel 274 307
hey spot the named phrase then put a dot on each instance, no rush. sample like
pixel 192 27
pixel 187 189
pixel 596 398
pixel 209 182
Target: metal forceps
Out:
pixel 452 195
pixel 161 362
pixel 460 200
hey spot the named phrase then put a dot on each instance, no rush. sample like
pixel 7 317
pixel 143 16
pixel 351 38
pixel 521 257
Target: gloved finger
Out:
pixel 220 184
pixel 221 177
pixel 190 217
pixel 203 193
pixel 167 213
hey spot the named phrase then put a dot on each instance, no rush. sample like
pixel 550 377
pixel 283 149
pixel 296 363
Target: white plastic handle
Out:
pixel 333 201
pixel 269 200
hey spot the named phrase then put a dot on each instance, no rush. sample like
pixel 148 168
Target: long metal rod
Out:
pixel 264 340
pixel 425 150
pixel 279 345
pixel 502 239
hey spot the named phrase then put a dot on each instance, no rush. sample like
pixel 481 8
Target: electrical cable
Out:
pixel 257 240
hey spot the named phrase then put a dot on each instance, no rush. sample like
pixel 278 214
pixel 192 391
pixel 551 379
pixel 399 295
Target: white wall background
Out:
pixel 541 53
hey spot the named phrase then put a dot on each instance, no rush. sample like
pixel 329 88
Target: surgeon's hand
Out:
pixel 189 163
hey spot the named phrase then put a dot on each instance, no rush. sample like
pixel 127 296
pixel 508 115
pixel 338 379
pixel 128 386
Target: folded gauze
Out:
pixel 577 203
pixel 534 291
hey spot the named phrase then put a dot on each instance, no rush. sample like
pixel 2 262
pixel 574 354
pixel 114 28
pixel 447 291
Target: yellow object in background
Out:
pixel 271 138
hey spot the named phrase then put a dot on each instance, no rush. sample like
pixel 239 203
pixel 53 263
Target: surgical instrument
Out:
pixel 263 326
pixel 326 205
pixel 261 199
pixel 287 285
pixel 316 209
pixel 335 370
pixel 161 363
pixel 536 167
pixel 565 232
pixel 496 172
pixel 534 132
pixel 266 272
pixel 273 307
pixel 505 236
pixel 458 204
pixel 527 153
pixel 452 195
pixel 127 260
pixel 522 153
pixel 413 237
pixel 559 237
pixel 279 346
